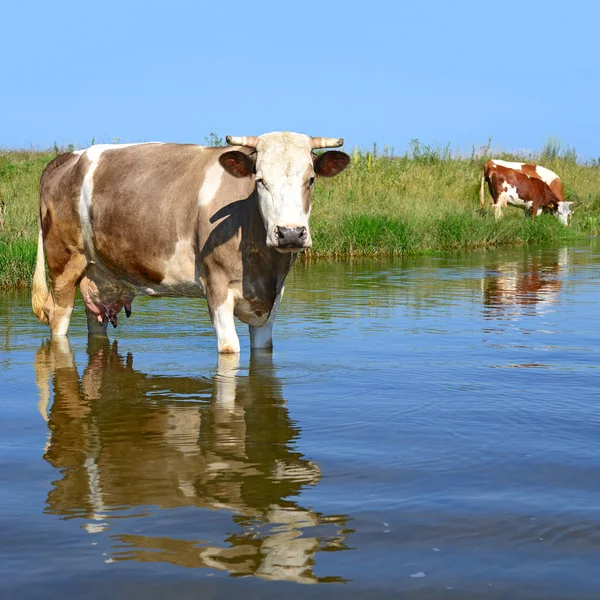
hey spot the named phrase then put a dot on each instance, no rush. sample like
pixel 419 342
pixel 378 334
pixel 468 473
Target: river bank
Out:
pixel 383 205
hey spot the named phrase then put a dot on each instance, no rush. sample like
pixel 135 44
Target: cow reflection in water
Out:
pixel 123 439
pixel 524 288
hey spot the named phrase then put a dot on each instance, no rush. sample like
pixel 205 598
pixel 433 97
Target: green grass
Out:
pixel 19 180
pixel 422 202
pixel 428 200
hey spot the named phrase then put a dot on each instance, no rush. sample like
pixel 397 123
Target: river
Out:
pixel 426 427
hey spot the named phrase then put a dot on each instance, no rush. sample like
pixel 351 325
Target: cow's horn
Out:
pixel 243 140
pixel 321 142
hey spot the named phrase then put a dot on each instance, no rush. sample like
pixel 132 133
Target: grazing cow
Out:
pixel 160 219
pixel 527 186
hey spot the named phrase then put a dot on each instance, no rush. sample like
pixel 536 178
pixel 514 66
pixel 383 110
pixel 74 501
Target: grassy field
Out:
pixel 422 202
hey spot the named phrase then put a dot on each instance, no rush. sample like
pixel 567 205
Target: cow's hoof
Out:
pixel 228 349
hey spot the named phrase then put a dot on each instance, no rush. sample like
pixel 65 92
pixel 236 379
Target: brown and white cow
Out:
pixel 531 187
pixel 159 219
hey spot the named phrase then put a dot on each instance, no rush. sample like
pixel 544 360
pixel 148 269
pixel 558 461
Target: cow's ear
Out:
pixel 237 163
pixel 330 163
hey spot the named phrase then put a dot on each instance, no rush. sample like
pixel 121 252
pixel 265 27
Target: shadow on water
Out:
pixel 126 440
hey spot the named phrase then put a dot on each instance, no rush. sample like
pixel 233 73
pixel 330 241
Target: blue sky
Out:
pixel 376 71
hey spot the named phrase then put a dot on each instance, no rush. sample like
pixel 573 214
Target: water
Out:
pixel 425 428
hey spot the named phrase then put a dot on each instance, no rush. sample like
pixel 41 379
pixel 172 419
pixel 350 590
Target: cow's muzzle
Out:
pixel 291 238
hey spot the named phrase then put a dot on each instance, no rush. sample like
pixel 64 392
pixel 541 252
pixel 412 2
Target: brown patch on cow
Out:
pixel 543 197
pixel 330 163
pixel 60 187
pixel 555 185
pixel 530 170
pixel 144 200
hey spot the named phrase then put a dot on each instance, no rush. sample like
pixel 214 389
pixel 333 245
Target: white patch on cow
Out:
pixel 181 266
pixel 516 166
pixel 283 160
pixel 85 201
pixel 546 175
pixel 63 323
pixel 262 337
pixel 93 154
pixel 211 184
pixel 509 195
pixel 224 324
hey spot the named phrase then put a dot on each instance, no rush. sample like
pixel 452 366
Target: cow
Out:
pixel 163 219
pixel 528 186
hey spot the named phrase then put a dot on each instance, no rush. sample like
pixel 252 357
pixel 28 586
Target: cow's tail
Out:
pixel 40 292
pixel 482 191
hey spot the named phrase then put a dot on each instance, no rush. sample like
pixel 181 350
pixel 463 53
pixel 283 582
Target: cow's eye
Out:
pixel 260 181
pixel 311 182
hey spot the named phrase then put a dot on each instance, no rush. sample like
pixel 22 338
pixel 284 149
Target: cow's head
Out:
pixel 564 212
pixel 284 169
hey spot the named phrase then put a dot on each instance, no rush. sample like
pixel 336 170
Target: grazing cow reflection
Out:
pixel 523 288
pixel 124 439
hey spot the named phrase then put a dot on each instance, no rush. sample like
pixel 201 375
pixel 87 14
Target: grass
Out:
pixel 428 200
pixel 19 180
pixel 424 201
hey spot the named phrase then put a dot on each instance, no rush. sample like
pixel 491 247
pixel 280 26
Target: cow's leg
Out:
pixel 221 313
pixel 262 337
pixel 60 303
pixel 94 326
pixel 498 210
